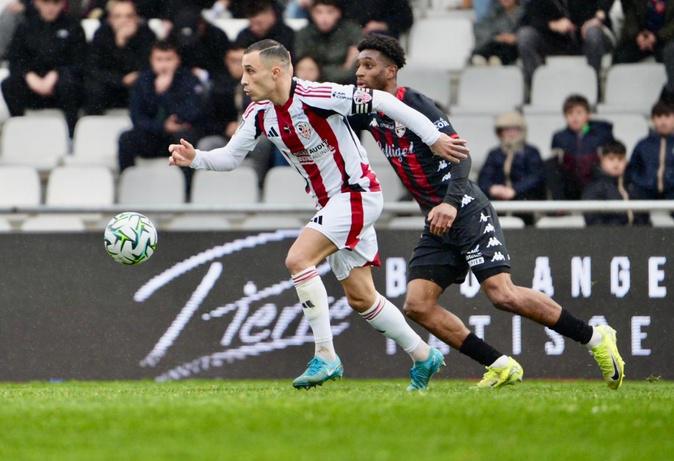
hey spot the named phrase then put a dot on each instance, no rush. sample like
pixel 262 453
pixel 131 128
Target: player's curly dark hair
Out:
pixel 388 46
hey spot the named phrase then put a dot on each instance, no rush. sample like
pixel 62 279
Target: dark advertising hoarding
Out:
pixel 222 305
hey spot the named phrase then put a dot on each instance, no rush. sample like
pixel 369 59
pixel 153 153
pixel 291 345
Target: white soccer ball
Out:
pixel 130 238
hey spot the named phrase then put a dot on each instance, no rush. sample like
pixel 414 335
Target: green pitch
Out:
pixel 348 420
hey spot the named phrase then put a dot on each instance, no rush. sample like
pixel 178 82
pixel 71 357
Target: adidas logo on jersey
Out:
pixel 318 220
pixel 498 256
pixel 466 200
pixel 308 304
pixel 272 133
pixel 493 242
pixel 488 228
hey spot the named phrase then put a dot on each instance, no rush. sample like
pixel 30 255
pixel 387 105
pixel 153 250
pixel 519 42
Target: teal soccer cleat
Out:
pixel 319 371
pixel 421 372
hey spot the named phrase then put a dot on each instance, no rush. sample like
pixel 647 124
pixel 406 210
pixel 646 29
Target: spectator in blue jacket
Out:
pixel 166 105
pixel 609 184
pixel 651 167
pixel 576 150
pixel 514 170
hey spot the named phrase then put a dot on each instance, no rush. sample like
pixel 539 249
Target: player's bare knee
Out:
pixel 296 263
pixel 416 308
pixel 358 302
pixel 503 297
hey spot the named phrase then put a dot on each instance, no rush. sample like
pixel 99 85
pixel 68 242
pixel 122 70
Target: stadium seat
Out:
pixel 231 27
pixel 490 90
pixel 283 185
pixel 553 83
pixel 80 186
pixel 21 146
pixel 627 128
pixel 95 140
pixel 198 222
pixel 441 43
pixel 151 186
pixel 272 222
pixel 561 222
pixel 158 27
pixel 238 187
pixel 374 154
pixel 391 185
pixel 661 219
pixel 540 129
pixel 90 27
pixel 478 130
pixel 296 23
pixel 511 222
pixel 53 223
pixel 19 186
pixel 4 225
pixel 632 88
pixel 434 83
pixel 407 223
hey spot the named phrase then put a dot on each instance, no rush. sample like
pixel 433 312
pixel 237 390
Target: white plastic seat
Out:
pixel 511 222
pixel 490 90
pixel 632 88
pixel 441 43
pixel 407 223
pixel 40 142
pixel 198 222
pixel 478 130
pixel 90 27
pixel 541 128
pixel 296 23
pixel 4 225
pixel 662 219
pixel 96 140
pixel 553 84
pixel 272 222
pixel 561 222
pixel 627 128
pixel 158 27
pixel 283 185
pixel 80 186
pixel 434 83
pixel 19 186
pixel 151 186
pixel 238 187
pixel 53 223
pixel 231 27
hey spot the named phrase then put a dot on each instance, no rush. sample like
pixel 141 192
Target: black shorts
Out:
pixel 474 242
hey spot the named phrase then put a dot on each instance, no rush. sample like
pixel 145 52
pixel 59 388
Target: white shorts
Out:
pixel 348 221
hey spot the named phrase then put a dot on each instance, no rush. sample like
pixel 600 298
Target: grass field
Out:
pixel 348 420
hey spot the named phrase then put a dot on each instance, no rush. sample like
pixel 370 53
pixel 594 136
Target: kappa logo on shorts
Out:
pixel 493 242
pixel 498 256
pixel 484 217
pixel 442 165
pixel 488 228
pixel 466 200
pixel 447 177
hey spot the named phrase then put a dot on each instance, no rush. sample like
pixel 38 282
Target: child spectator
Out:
pixel 576 150
pixel 118 52
pixel 331 40
pixel 651 167
pixel 514 170
pixel 45 59
pixel 165 106
pixel 609 184
pixel 495 39
pixel 266 22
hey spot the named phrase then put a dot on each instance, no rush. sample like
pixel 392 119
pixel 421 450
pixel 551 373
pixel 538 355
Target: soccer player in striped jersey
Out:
pixel 308 123
pixel 462 232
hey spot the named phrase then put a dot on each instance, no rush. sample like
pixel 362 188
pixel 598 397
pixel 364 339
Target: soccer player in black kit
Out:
pixel 462 233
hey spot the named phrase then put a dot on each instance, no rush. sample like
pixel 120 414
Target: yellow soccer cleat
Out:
pixel 495 377
pixel 608 358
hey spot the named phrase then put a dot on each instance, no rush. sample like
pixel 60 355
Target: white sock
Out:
pixel 314 299
pixel 500 362
pixel 595 339
pixel 388 320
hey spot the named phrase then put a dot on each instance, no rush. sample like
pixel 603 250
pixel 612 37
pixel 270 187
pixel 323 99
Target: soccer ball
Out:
pixel 130 238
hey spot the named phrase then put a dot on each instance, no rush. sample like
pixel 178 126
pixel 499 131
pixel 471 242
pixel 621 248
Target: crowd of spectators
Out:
pixel 188 84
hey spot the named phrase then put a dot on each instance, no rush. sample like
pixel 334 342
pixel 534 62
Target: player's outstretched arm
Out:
pixel 182 154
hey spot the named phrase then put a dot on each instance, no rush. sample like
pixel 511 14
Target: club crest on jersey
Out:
pixel 400 129
pixel 361 97
pixel 304 130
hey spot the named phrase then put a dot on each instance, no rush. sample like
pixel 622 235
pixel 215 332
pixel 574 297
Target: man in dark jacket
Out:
pixel 651 167
pixel 514 170
pixel 649 31
pixel 389 17
pixel 201 45
pixel 165 106
pixel 576 150
pixel 45 59
pixel 564 27
pixel 119 50
pixel 609 184
pixel 266 22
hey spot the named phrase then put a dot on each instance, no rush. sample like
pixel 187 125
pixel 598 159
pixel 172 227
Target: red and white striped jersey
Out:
pixel 312 132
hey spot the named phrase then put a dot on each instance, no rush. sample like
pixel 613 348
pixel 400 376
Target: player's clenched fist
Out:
pixel 182 154
pixel 441 218
pixel 451 149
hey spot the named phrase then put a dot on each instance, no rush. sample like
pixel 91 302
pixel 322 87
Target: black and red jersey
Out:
pixel 430 179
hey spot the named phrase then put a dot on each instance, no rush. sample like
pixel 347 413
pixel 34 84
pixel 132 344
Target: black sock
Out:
pixel 573 328
pixel 478 350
